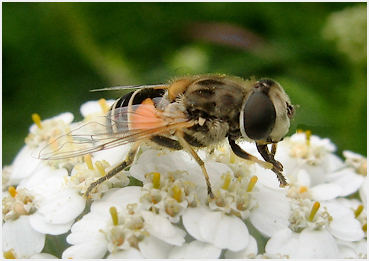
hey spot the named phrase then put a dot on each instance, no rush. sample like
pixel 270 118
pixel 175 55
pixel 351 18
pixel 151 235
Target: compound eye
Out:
pixel 258 116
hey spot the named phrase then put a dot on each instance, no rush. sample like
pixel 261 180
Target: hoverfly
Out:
pixel 188 113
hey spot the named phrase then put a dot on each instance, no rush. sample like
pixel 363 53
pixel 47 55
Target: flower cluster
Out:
pixel 159 207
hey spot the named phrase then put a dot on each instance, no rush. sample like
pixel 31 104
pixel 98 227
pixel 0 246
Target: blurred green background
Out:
pixel 54 53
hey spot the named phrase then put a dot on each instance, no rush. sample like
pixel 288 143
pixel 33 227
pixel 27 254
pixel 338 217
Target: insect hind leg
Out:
pixel 118 168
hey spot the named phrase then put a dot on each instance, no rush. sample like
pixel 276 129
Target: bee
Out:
pixel 192 112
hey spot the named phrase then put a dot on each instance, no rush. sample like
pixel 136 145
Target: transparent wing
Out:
pixel 130 87
pixel 121 126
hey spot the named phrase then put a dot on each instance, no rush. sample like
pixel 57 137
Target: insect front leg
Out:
pixel 243 154
pixel 269 156
pixel 269 163
pixel 121 166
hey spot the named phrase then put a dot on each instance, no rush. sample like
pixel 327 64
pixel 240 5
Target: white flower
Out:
pixel 57 204
pixel 19 236
pixel 118 223
pixel 160 208
pixel 301 188
pixel 309 152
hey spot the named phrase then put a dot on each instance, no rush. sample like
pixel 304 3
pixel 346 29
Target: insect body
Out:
pixel 193 112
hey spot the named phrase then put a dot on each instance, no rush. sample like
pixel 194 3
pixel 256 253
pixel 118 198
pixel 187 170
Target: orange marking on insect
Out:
pixel 178 87
pixel 145 116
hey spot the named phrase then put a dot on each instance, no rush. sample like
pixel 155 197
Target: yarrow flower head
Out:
pixel 159 207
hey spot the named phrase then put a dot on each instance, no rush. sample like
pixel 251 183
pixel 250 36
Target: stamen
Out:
pixel 156 180
pixel 114 216
pixel 100 167
pixel 104 106
pixel 364 227
pixel 9 254
pixel 252 183
pixel 303 189
pixel 12 191
pixel 232 158
pixel 227 181
pixel 177 193
pixel 37 119
pixel 308 135
pixel 358 210
pixel 88 162
pixel 313 211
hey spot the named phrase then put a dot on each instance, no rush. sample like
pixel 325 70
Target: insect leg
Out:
pixel 269 156
pixel 277 166
pixel 243 154
pixel 199 161
pixel 274 149
pixel 121 166
pixel 166 142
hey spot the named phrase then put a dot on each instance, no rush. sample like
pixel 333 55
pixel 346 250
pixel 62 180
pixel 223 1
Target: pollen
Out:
pixel 114 216
pixel 37 120
pixel 313 211
pixel 252 183
pixel 89 162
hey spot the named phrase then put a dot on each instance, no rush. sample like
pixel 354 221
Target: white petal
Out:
pixel 347 252
pixel 307 244
pixel 266 178
pixel 224 231
pixel 272 213
pixel 119 198
pixel 91 249
pixel 45 181
pixel 152 247
pixel 43 256
pixel 325 191
pixel 93 107
pixel 249 252
pixel 38 222
pixel 344 224
pixel 20 236
pixel 88 229
pixel 131 253
pixel 23 165
pixel 191 219
pixel 195 250
pixel 63 207
pixel 349 181
pixel 363 191
pixel 303 178
pixel 160 227
pixel 114 155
